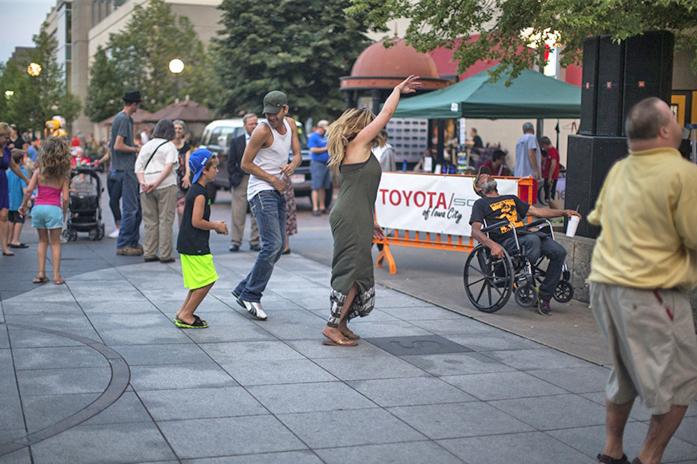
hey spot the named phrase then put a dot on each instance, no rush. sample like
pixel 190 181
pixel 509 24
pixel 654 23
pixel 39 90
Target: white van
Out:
pixel 217 137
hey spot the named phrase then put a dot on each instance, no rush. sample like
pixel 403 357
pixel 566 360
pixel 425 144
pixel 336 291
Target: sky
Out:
pixel 21 19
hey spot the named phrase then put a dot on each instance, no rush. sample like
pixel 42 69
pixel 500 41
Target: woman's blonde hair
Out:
pixel 54 161
pixel 5 128
pixel 346 128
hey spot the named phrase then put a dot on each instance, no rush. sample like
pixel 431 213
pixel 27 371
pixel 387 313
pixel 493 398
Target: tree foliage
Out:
pixel 104 90
pixel 32 100
pixel 301 47
pixel 138 58
pixel 506 28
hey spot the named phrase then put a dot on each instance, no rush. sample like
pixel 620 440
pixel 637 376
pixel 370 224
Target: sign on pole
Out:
pixel 430 203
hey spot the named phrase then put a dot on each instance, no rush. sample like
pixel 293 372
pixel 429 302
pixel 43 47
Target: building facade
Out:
pixel 80 27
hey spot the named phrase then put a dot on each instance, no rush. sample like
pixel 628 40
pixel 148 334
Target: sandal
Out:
pixel 18 245
pixel 39 279
pixel 7 253
pixel 350 334
pixel 605 459
pixel 338 342
pixel 197 324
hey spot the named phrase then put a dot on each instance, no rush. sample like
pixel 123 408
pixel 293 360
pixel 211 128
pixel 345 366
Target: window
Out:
pixel 221 136
pixel 68 23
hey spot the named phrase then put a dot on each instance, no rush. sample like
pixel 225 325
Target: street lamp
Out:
pixel 34 69
pixel 176 66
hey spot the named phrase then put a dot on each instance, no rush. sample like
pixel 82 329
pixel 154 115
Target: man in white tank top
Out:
pixel 266 160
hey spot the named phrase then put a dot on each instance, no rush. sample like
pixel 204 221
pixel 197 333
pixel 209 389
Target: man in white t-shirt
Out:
pixel 156 171
pixel 528 158
pixel 266 160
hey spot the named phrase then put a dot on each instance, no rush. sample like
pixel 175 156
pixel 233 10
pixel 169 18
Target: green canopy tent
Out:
pixel 530 95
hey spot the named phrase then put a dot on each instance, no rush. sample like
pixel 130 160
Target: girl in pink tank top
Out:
pixel 51 205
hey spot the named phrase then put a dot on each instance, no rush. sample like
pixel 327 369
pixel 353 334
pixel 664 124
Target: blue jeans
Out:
pixel 131 216
pixel 114 189
pixel 269 210
pixel 539 244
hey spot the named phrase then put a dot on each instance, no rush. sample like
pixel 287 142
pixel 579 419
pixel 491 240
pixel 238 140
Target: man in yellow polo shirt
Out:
pixel 644 262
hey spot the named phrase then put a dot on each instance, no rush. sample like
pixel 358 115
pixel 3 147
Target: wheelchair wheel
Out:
pixel 526 296
pixel 563 292
pixel 488 280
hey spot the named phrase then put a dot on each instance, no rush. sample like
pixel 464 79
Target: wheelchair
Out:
pixel 490 281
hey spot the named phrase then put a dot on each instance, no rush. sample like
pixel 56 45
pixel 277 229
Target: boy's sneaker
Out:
pixel 114 234
pixel 254 308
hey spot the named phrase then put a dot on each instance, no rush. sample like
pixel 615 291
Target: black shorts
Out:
pixel 15 218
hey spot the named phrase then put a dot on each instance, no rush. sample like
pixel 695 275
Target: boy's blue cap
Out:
pixel 197 161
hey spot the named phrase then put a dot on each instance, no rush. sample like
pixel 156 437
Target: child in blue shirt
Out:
pixel 15 187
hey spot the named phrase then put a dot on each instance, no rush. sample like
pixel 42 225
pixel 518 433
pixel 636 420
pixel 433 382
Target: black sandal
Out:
pixel 39 279
pixel 197 324
pixel 605 459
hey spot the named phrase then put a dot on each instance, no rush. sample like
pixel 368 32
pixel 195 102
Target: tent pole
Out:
pixel 441 142
pixel 376 96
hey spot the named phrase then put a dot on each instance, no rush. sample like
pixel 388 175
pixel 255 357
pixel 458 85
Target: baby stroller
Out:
pixel 85 213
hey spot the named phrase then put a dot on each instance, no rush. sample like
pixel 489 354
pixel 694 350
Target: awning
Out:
pixel 530 95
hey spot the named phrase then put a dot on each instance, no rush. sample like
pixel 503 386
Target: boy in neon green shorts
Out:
pixel 198 269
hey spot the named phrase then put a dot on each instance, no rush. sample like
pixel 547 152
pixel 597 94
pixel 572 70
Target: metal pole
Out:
pixel 376 95
pixel 441 142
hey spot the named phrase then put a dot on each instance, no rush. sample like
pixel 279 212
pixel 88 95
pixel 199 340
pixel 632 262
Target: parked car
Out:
pixel 217 137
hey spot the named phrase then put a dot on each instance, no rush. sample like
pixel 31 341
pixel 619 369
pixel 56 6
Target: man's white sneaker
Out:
pixel 114 234
pixel 254 309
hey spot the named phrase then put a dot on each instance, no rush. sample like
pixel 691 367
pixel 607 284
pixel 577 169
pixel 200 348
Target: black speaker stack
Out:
pixel 615 77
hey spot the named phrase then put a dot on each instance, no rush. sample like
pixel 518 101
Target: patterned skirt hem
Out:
pixel 362 305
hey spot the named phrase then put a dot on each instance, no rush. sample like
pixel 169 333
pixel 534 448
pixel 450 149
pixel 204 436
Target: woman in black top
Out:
pixel 181 141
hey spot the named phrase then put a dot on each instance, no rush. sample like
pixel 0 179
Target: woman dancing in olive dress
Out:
pixel 350 139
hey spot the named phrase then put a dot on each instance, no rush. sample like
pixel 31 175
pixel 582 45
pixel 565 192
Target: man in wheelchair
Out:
pixel 492 208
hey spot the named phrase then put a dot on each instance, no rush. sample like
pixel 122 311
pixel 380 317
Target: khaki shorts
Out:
pixel 653 345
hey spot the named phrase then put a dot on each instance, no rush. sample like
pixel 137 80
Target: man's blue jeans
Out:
pixel 131 216
pixel 269 210
pixel 539 244
pixel 114 189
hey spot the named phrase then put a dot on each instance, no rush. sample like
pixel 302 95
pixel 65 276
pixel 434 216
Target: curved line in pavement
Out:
pixel 120 378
